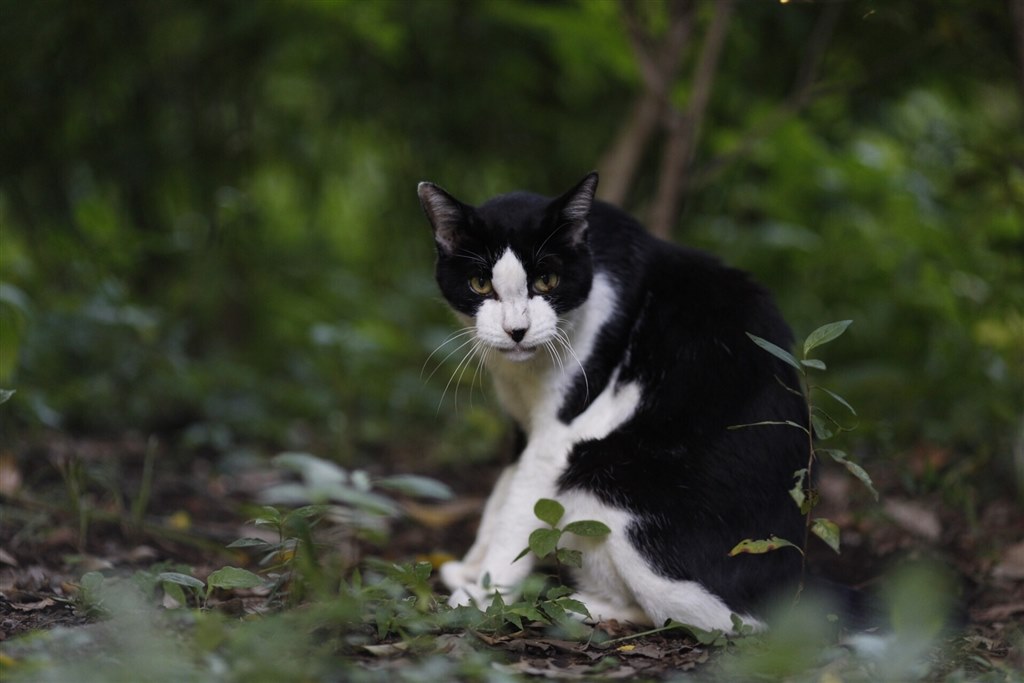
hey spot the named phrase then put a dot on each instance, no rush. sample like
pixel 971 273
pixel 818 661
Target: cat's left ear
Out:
pixel 446 214
pixel 574 207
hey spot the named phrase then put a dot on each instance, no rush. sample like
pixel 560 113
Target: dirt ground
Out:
pixel 198 505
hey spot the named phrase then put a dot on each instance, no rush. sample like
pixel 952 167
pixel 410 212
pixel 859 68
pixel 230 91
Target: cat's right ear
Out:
pixel 574 207
pixel 446 214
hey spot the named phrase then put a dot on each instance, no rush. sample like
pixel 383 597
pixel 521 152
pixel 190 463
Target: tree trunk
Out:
pixel 685 127
pixel 658 60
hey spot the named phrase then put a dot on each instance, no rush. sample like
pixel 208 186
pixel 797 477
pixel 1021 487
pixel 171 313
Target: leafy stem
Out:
pixel 819 425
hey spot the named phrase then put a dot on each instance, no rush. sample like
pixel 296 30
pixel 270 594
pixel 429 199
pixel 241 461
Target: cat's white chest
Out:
pixel 532 392
pixel 528 391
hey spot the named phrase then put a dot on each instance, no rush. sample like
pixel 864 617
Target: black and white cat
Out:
pixel 623 361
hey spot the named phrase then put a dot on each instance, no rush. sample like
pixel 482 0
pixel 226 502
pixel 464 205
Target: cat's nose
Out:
pixel 517 334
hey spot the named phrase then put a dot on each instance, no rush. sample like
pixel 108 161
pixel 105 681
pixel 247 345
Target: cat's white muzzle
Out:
pixel 519 353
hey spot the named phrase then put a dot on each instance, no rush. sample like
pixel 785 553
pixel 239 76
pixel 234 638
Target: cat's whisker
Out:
pixel 549 347
pixel 556 357
pixel 450 354
pixel 476 343
pixel 466 362
pixel 479 368
pixel 447 340
pixel 563 337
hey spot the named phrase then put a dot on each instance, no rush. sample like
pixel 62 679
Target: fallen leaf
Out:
pixel 648 650
pixel 444 514
pixel 7 558
pixel 998 612
pixel 387 650
pixel 1011 566
pixel 169 602
pixel 91 563
pixel 914 517
pixel 436 559
pixel 455 644
pixel 180 521
pixel 10 475
pixel 573 671
pixel 140 553
pixel 33 606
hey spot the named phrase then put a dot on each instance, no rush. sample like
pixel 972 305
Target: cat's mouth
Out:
pixel 519 352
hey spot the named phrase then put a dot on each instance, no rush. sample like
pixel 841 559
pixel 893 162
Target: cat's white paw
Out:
pixel 603 610
pixel 460 597
pixel 472 594
pixel 455 574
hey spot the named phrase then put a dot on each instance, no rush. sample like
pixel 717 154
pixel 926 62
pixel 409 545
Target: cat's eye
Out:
pixel 545 283
pixel 480 285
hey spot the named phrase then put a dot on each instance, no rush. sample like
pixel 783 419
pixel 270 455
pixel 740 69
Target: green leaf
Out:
pixel 587 527
pixel 175 592
pixel 854 469
pixel 290 493
pixel 569 557
pixel 555 611
pixel 573 605
pixel 544 541
pixel 776 351
pixel 797 492
pixel 363 500
pixel 422 570
pixel 761 546
pixel 528 612
pixel 523 553
pixel 5 395
pixel 93 581
pixel 414 485
pixel 306 511
pixel 233 577
pixel 822 429
pixel 556 592
pixel 813 363
pixel 548 511
pixel 813 498
pixel 703 637
pixel 825 334
pixel 314 470
pixel 180 579
pixel 269 515
pixel 861 474
pixel 827 531
pixel 248 543
pixel 838 398
pixel 787 423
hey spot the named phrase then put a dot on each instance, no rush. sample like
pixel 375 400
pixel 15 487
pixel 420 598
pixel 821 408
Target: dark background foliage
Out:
pixel 209 228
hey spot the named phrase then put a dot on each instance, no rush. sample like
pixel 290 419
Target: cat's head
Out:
pixel 515 264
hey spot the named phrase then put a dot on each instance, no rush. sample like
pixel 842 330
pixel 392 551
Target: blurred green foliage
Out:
pixel 209 225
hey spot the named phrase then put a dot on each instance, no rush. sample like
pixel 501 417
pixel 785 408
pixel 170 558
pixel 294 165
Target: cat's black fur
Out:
pixel 696 481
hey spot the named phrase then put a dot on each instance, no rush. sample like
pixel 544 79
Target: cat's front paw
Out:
pixel 463 580
pixel 455 574
pixel 472 594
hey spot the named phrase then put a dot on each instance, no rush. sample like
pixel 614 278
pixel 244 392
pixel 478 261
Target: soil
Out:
pixel 196 505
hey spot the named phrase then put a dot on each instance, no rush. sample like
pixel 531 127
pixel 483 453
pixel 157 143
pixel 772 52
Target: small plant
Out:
pixel 89 597
pixel 822 426
pixel 551 605
pixel 228 578
pixel 294 546
pixel 540 603
pixel 543 542
pixel 359 504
